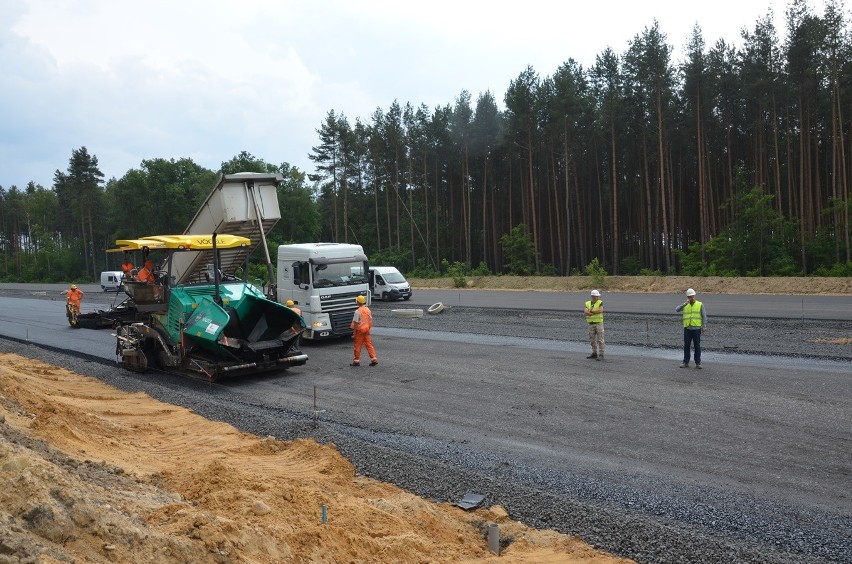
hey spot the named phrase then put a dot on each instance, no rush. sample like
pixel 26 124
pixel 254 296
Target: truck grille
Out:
pixel 340 322
pixel 340 308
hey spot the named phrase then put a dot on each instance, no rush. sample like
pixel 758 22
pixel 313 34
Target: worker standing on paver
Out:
pixel 127 267
pixel 146 273
pixel 594 317
pixel 694 322
pixel 362 322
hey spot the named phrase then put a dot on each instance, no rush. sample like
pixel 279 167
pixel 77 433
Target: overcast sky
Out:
pixel 206 79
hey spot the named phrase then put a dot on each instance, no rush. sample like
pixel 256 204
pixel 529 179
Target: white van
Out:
pixel 387 283
pixel 111 281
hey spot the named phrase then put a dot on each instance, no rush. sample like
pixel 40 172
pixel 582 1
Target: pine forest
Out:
pixel 731 160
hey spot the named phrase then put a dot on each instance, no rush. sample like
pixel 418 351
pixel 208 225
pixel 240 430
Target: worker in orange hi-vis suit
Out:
pixel 74 296
pixel 146 273
pixel 292 305
pixel 297 327
pixel 127 266
pixel 362 322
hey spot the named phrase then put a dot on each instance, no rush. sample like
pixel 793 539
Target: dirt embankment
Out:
pixel 93 474
pixel 663 284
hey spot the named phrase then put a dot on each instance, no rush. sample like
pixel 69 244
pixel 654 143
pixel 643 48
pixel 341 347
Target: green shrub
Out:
pixel 458 271
pixel 392 256
pixel 838 269
pixel 630 266
pixel 518 250
pixel 548 270
pixel 424 269
pixel 597 272
pixel 481 270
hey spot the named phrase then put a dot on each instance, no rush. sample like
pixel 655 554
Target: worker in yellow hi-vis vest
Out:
pixel 594 317
pixel 694 322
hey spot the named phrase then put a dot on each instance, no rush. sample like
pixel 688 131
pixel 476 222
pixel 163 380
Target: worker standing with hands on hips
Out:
pixel 694 322
pixel 362 322
pixel 594 317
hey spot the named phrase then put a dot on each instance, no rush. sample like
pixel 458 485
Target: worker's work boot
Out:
pixel 374 362
pixel 600 356
pixel 593 355
pixel 355 363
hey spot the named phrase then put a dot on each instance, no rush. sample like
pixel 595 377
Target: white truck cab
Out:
pixel 323 279
pixel 388 283
pixel 111 281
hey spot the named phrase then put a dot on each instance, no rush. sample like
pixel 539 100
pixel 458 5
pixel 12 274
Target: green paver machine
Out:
pixel 213 328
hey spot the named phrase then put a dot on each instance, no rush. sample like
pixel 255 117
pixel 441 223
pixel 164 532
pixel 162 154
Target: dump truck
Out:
pixel 211 329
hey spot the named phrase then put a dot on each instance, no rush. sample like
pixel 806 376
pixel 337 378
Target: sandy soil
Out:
pixel 665 284
pixel 92 474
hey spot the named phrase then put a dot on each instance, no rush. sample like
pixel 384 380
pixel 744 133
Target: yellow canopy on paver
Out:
pixel 181 243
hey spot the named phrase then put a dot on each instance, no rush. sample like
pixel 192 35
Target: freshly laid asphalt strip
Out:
pixel 649 510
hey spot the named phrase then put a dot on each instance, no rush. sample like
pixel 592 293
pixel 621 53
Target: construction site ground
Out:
pixel 95 474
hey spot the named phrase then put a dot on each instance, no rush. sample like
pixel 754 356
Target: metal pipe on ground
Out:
pixel 494 538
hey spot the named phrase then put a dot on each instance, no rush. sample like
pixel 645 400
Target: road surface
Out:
pixel 749 459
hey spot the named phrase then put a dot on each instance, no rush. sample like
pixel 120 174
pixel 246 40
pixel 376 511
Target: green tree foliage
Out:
pixel 519 251
pixel 61 234
pixel 596 271
pixel 300 218
pixel 638 160
pixel 758 242
pixel 246 162
pixel 161 196
pixel 391 256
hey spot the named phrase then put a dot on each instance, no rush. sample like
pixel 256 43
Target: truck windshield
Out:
pixel 342 274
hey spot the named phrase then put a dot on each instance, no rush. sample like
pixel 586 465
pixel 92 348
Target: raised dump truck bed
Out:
pixel 240 204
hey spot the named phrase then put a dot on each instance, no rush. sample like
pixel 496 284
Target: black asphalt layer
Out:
pixel 748 460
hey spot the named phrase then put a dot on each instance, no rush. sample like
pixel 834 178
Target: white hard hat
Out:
pixel 595 293
pixel 690 292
